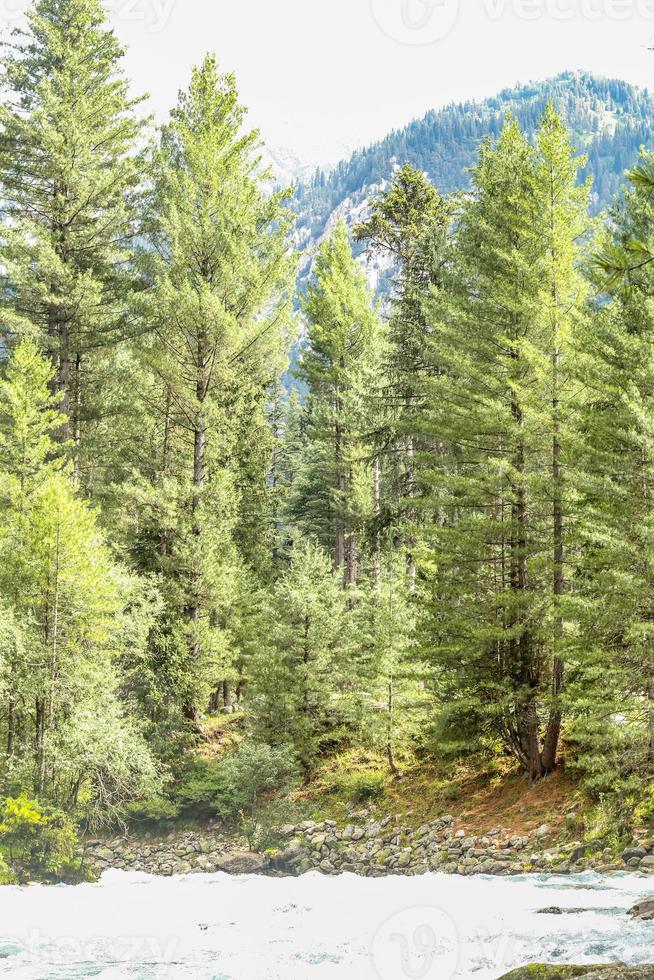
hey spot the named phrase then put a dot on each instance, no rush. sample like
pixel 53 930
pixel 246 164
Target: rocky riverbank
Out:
pixel 616 972
pixel 365 847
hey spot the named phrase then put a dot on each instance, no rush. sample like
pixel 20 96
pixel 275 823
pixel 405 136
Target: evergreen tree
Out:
pixel 331 496
pixel 496 553
pixel 69 170
pixel 612 686
pixel 393 703
pixel 220 268
pixel 301 688
pixel 408 225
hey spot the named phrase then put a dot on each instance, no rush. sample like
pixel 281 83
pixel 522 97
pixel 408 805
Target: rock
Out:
pixel 290 855
pixel 242 863
pixel 633 852
pixel 647 864
pixel 555 910
pixel 643 909
pixel 616 972
pixel 543 831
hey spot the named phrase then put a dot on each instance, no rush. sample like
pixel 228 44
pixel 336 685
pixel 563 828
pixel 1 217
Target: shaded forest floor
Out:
pixel 478 799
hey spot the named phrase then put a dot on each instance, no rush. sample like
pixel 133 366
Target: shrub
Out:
pixel 37 840
pixel 251 772
pixel 360 787
pixel 7 877
pixel 249 775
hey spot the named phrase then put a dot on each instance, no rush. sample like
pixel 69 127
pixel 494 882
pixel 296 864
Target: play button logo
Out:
pixel 416 22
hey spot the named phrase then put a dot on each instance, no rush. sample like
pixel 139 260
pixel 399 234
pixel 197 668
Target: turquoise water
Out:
pixel 213 927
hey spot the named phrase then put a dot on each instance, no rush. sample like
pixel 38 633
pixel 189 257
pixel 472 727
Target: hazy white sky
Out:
pixel 329 73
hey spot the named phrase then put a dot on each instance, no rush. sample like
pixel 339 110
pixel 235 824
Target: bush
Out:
pixel 360 787
pixel 37 840
pixel 153 810
pixel 7 877
pixel 250 773
pixel 229 788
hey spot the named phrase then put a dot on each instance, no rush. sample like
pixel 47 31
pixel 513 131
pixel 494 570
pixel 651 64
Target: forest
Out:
pixel 436 542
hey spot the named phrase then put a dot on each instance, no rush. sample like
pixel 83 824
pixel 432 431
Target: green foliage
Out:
pixel 301 690
pixel 359 787
pixel 498 401
pixel 249 775
pixel 7 877
pixel 37 839
pixel 69 169
pixel 444 541
pixel 219 271
pixel 330 495
pixel 644 812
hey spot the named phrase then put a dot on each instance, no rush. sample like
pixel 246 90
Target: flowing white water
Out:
pixel 215 927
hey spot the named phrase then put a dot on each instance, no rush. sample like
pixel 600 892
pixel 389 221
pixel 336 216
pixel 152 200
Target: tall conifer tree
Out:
pixel 69 171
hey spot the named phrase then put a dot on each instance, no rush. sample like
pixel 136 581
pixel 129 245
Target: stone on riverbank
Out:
pixel 365 847
pixel 616 972
pixel 244 863
pixel 644 909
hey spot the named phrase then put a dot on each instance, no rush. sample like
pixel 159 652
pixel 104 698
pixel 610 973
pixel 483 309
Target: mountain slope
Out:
pixel 610 121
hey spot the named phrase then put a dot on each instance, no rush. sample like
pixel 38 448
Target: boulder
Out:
pixel 555 910
pixel 243 863
pixel 644 909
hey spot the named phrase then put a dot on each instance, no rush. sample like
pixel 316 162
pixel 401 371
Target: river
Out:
pixel 214 927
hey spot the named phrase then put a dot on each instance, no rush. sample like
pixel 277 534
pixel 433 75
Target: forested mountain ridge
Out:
pixel 609 121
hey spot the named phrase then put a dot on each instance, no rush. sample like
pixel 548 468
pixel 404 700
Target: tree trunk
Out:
pixel 376 494
pixel 390 718
pixel 194 610
pixel 40 742
pixel 553 735
pixel 410 492
pixel 339 544
pixel 533 736
pixel 528 726
pixel 77 421
pixel 11 726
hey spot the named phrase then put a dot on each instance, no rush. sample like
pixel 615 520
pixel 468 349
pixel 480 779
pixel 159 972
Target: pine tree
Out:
pixel 69 171
pixel 611 692
pixel 332 488
pixel 408 225
pixel 392 703
pixel 302 675
pixel 496 553
pixel 215 317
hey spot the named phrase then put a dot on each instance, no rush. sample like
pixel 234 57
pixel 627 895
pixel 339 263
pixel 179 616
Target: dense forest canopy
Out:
pixel 443 548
